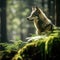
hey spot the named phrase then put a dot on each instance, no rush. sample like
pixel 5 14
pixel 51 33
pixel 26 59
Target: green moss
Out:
pixel 53 47
pixel 31 50
pixel 45 48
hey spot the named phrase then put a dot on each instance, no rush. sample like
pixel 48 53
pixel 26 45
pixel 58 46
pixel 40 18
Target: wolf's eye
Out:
pixel 35 14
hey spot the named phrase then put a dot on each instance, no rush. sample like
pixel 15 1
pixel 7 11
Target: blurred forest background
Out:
pixel 13 14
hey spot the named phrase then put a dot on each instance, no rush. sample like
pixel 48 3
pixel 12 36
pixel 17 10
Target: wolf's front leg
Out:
pixel 38 32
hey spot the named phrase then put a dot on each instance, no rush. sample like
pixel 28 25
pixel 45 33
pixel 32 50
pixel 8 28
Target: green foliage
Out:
pixel 53 46
pixel 9 49
pixel 11 45
pixel 31 50
pixel 43 49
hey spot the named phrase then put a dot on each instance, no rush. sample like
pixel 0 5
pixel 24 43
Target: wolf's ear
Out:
pixel 37 9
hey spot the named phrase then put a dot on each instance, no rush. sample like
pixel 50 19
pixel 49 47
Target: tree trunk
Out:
pixel 57 12
pixel 3 21
pixel 51 10
pixel 43 2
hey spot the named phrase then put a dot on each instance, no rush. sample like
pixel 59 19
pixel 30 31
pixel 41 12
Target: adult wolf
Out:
pixel 40 20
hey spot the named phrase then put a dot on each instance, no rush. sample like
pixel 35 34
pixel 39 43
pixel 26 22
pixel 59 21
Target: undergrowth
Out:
pixel 45 48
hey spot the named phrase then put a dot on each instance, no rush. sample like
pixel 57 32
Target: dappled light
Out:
pixel 29 30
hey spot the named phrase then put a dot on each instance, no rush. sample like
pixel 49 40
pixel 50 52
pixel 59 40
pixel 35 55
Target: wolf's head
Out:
pixel 34 14
pixel 38 14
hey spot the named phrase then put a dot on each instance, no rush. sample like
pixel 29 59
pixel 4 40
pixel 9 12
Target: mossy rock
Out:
pixel 31 51
pixel 53 47
pixel 43 49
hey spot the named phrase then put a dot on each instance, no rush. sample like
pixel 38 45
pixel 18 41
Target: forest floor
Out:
pixel 45 48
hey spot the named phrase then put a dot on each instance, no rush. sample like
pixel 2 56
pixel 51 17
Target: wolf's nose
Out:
pixel 27 18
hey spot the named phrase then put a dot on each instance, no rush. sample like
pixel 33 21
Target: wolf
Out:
pixel 40 20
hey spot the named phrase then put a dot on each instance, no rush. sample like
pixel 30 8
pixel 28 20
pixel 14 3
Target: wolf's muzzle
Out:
pixel 30 19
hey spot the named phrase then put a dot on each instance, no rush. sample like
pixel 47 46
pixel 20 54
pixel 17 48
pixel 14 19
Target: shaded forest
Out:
pixel 15 28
